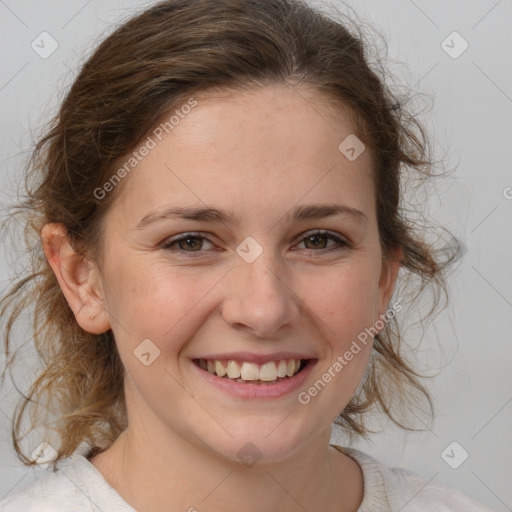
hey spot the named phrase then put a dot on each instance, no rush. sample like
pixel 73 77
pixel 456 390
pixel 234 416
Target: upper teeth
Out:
pixel 251 371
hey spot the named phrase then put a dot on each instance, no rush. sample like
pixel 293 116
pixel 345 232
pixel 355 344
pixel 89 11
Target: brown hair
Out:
pixel 145 68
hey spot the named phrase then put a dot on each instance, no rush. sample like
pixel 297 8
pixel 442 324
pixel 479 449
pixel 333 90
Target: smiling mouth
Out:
pixel 271 372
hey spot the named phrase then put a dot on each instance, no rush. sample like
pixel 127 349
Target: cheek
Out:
pixel 156 302
pixel 343 299
pixel 343 304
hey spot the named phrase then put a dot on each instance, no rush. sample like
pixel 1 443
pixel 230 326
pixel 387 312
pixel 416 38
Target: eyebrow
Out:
pixel 300 213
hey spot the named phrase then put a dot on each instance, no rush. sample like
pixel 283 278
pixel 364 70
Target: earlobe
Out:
pixel 77 279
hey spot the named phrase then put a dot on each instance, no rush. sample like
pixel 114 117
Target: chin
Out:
pixel 258 442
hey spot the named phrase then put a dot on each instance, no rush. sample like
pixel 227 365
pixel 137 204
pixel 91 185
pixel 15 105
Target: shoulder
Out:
pixel 53 491
pixel 76 486
pixel 400 489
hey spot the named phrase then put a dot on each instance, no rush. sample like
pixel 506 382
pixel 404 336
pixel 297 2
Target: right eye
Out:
pixel 185 243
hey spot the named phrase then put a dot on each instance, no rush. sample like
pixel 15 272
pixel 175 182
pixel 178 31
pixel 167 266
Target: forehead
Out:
pixel 276 117
pixel 276 143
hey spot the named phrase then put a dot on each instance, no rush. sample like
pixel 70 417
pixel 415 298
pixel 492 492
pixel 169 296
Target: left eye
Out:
pixel 319 239
pixel 316 241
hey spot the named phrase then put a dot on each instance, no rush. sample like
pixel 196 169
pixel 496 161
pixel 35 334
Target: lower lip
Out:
pixel 238 389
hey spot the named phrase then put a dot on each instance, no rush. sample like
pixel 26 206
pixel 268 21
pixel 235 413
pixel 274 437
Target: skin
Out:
pixel 257 154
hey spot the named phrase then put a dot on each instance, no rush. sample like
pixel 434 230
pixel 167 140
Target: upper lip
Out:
pixel 256 358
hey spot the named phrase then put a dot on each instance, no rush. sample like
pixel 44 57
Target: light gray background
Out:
pixel 471 120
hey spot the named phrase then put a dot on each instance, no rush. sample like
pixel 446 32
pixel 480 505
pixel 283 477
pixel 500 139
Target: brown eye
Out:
pixel 187 243
pixel 318 241
pixel 192 243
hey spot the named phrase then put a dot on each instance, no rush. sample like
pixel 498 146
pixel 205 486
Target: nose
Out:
pixel 260 300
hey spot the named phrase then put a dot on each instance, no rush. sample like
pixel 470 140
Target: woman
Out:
pixel 218 206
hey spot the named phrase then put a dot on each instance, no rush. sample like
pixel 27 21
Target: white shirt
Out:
pixel 79 487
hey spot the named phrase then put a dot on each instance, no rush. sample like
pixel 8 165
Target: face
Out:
pixel 285 266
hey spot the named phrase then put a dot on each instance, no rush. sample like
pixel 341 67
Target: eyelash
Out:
pixel 342 244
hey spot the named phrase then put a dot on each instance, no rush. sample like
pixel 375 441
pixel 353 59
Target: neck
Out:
pixel 182 477
pixel 156 469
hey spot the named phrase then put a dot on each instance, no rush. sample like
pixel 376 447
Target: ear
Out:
pixel 78 278
pixel 391 264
